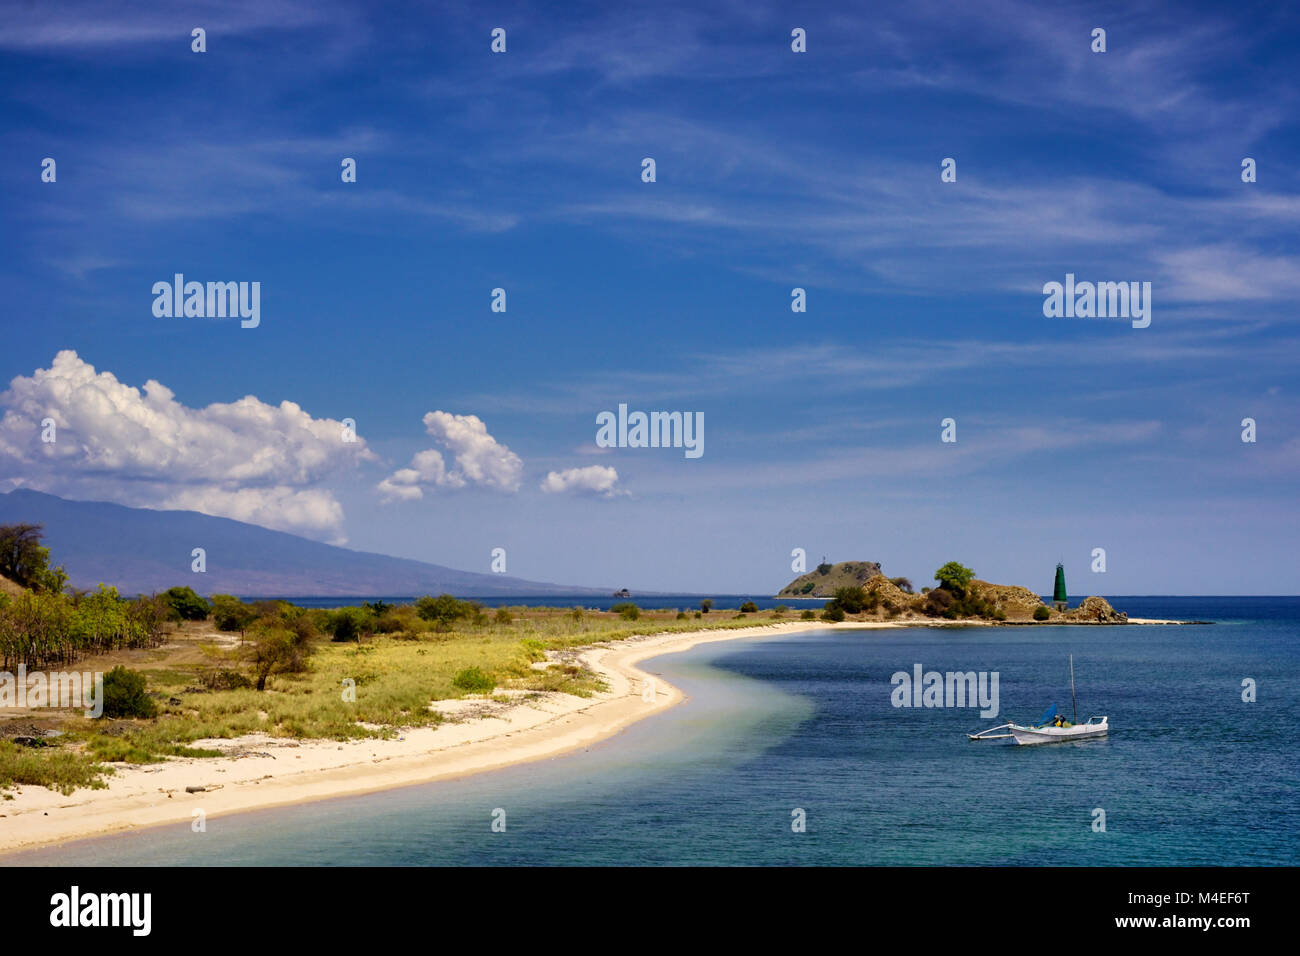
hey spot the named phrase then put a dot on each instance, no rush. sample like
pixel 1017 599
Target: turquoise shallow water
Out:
pixel 1190 775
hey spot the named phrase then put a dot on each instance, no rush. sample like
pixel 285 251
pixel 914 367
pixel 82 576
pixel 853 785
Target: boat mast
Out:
pixel 1073 700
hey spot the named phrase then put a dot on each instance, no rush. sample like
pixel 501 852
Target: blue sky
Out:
pixel 775 169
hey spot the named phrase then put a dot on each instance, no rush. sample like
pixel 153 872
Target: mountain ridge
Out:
pixel 143 550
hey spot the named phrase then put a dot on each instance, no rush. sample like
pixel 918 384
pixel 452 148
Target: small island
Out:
pixel 861 590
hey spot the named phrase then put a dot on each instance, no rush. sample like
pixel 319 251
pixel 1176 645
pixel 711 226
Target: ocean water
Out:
pixel 1190 774
pixel 678 602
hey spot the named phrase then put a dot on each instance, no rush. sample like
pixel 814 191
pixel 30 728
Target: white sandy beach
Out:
pixel 262 771
pixel 267 771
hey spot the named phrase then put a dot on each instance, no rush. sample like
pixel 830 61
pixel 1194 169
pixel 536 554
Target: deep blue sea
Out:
pixel 1190 774
pixel 677 602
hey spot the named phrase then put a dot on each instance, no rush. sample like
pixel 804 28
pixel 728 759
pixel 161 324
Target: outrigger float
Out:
pixel 1051 727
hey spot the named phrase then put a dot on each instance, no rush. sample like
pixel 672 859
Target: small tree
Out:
pixel 24 560
pixel 186 605
pixel 231 614
pixel 954 577
pixel 749 607
pixel 280 643
pixel 706 605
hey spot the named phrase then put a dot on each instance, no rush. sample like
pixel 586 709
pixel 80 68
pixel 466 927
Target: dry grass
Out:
pixel 399 679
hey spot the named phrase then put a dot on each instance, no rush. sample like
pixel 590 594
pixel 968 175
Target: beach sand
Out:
pixel 260 771
pixel 264 771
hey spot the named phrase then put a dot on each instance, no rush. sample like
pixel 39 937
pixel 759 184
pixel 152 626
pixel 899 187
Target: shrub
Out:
pixel 833 612
pixel 125 695
pixel 626 610
pixel 706 605
pixel 349 623
pixel 749 607
pixel 345 628
pixel 779 610
pixel 1041 613
pixel 225 679
pixel 503 616
pixel 807 587
pixel 397 619
pixel 186 605
pixel 444 609
pixel 681 615
pixel 808 615
pixel 231 614
pixel 824 568
pixel 903 584
pixel 698 614
pixel 938 602
pixel 850 598
pixel 475 680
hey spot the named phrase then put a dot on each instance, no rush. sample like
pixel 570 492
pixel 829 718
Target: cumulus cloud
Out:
pixel 478 459
pixel 591 480
pixel 245 460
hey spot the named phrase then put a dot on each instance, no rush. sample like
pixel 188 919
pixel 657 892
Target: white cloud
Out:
pixel 479 459
pixel 245 460
pixel 591 480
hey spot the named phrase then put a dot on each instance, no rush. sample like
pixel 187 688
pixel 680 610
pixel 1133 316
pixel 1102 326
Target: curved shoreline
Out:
pixel 281 773
pixel 264 772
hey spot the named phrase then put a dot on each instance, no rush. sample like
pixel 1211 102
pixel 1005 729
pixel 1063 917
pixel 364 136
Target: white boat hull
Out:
pixel 1057 735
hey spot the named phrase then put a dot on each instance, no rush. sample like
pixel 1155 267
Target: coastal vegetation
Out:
pixel 824 580
pixel 176 683
pixel 184 672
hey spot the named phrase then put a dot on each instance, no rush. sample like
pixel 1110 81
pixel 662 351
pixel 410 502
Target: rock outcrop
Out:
pixel 1017 603
pixel 985 601
pixel 1093 610
pixel 816 584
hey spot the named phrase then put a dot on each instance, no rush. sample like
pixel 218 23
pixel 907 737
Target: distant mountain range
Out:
pixel 139 550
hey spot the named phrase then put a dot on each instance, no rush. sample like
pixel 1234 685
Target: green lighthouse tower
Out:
pixel 1059 599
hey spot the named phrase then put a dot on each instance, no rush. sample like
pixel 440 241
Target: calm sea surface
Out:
pixel 1190 774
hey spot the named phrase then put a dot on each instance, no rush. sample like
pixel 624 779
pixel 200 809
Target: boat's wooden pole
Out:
pixel 1074 702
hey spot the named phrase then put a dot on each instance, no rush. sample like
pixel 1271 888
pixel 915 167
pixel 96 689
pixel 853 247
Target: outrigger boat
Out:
pixel 1051 727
